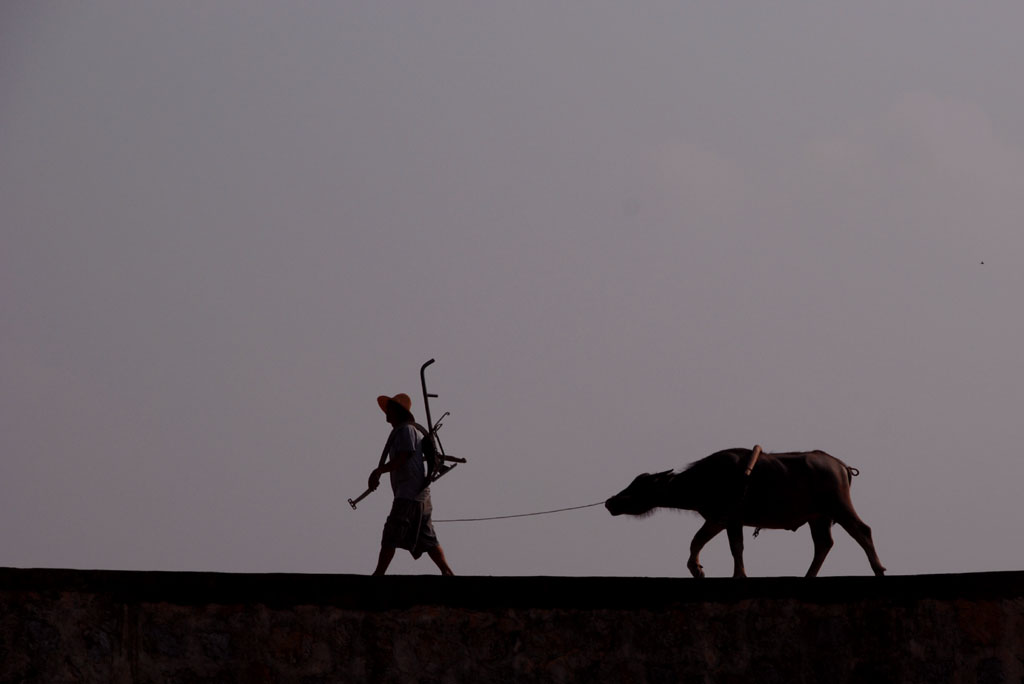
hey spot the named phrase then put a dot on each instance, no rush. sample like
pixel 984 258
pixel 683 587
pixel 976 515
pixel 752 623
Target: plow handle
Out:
pixel 353 502
pixel 426 397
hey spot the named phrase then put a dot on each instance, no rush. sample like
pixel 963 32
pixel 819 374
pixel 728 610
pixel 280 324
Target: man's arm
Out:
pixel 398 461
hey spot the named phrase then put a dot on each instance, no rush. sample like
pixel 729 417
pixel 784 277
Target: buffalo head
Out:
pixel 643 494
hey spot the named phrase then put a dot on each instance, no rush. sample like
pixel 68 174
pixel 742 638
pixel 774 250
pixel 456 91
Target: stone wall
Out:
pixel 102 626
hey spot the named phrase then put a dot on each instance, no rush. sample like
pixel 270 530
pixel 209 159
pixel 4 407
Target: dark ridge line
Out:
pixel 361 592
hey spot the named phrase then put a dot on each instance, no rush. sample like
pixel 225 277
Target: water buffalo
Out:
pixel 782 491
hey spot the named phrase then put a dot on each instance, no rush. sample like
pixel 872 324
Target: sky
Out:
pixel 630 234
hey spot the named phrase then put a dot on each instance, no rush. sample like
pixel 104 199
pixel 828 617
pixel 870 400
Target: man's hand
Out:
pixel 374 480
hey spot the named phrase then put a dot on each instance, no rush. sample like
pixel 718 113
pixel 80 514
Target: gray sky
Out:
pixel 631 234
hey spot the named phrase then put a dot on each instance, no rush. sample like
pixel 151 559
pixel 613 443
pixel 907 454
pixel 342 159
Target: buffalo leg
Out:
pixel 705 534
pixel 861 533
pixel 735 532
pixel 821 533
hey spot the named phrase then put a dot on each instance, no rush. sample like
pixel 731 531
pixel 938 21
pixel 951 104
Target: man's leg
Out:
pixel 436 554
pixel 384 559
pixel 395 529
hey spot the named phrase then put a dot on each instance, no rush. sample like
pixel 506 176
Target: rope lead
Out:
pixel 519 515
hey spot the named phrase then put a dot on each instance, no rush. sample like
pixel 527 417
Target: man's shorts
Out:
pixel 409 527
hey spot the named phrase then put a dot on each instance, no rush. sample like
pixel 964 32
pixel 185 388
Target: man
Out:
pixel 408 525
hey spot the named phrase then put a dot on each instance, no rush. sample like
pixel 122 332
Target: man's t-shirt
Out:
pixel 407 482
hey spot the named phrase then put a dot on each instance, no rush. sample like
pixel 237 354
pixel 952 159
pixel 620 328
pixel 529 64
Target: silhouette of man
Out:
pixel 408 525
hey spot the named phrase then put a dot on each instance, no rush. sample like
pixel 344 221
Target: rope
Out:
pixel 520 515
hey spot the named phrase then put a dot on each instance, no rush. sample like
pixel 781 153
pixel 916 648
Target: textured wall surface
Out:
pixel 101 626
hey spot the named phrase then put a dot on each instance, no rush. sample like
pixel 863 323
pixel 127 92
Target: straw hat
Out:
pixel 402 400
